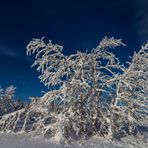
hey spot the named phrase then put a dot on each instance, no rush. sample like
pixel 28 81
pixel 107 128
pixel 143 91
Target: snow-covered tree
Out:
pixel 9 92
pixel 1 92
pixel 131 100
pixel 91 93
pixel 96 92
pixel 7 102
pixel 86 82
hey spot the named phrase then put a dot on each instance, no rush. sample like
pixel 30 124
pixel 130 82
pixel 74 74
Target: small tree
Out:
pixel 9 92
pixel 1 92
pixel 7 102
pixel 86 84
pixel 132 90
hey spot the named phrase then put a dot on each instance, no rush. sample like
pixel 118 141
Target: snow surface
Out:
pixel 26 141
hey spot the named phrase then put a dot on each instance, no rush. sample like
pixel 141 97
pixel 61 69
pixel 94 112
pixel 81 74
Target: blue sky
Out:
pixel 75 24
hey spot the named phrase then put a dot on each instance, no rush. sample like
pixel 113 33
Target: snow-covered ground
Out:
pixel 23 140
pixel 26 141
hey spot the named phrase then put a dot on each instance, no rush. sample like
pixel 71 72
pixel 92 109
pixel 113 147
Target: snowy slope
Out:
pixel 26 141
pixel 22 140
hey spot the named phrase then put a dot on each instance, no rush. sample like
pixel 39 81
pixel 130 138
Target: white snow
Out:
pixel 26 141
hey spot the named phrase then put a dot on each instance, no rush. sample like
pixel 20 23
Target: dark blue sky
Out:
pixel 75 24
